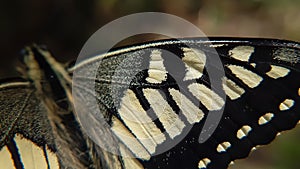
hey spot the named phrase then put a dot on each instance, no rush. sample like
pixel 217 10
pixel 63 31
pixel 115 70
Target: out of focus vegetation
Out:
pixel 65 25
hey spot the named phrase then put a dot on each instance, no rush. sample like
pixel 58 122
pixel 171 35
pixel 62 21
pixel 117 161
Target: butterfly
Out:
pixel 156 100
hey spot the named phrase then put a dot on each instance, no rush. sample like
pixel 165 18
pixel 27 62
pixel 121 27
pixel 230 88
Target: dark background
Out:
pixel 65 25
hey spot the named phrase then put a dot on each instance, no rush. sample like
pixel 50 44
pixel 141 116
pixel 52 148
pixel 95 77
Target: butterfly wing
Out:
pixel 144 81
pixel 151 102
pixel 41 112
pixel 26 135
pixel 264 73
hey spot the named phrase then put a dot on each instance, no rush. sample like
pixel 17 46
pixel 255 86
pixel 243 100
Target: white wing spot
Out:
pixel 253 148
pixel 242 53
pixel 170 120
pixel 128 162
pixel 189 110
pixel 138 121
pixel 277 72
pixel 206 96
pixel 232 90
pixel 253 64
pixel 265 118
pixel 194 61
pixel 32 155
pixel 129 140
pixel 203 163
pixel 249 78
pixel 222 147
pixel 286 104
pixel 243 132
pixel 157 71
pixel 5 159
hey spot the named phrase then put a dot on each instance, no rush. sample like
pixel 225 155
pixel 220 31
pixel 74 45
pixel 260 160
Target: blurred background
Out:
pixel 64 26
